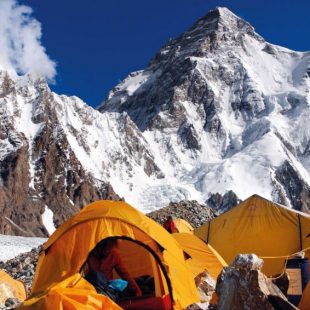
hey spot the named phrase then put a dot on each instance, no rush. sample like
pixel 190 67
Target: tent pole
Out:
pixel 300 237
pixel 208 232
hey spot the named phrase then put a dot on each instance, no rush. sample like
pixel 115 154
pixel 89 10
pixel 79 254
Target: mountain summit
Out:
pixel 224 110
pixel 217 110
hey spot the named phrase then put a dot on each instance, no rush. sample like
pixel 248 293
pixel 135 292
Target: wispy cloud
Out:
pixel 21 49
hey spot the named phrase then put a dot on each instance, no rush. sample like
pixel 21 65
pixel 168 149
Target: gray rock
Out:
pixel 243 286
pixel 222 203
pixel 191 211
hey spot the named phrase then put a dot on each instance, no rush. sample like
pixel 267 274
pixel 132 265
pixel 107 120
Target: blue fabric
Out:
pixel 99 281
pixel 118 285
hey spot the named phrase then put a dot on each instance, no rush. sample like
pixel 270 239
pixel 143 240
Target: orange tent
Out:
pixel 146 248
pixel 183 226
pixel 259 226
pixel 202 256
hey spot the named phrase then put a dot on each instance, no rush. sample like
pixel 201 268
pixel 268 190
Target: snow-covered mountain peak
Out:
pixel 219 29
pixel 224 12
pixel 222 19
pixel 221 106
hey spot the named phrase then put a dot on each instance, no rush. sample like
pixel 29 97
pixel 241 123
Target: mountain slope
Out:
pixel 39 169
pixel 218 110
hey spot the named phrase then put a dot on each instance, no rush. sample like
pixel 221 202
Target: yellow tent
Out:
pixel 10 288
pixel 146 248
pixel 202 255
pixel 183 226
pixel 258 226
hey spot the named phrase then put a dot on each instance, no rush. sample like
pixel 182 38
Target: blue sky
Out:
pixel 96 43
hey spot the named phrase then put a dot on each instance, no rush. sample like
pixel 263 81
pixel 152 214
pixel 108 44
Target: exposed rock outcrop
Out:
pixel 242 286
pixel 294 187
pixel 191 211
pixel 220 203
pixel 38 167
pixel 206 287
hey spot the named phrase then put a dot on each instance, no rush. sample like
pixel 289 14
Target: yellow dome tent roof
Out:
pixel 67 249
pixel 183 226
pixel 202 255
pixel 258 226
pixel 10 288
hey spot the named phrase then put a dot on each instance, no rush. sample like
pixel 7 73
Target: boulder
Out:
pixel 243 286
pixel 206 287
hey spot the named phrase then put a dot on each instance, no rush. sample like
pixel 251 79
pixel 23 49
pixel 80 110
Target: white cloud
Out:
pixel 21 50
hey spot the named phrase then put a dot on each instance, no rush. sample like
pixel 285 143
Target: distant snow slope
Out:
pixel 11 246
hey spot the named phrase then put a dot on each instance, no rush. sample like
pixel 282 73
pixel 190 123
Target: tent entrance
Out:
pixel 142 260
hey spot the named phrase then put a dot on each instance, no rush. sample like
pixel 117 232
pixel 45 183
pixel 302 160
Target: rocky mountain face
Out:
pixel 218 115
pixel 220 204
pixel 39 170
pixel 252 289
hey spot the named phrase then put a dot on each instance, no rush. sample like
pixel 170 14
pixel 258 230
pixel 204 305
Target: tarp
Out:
pixel 10 288
pixel 258 226
pixel 202 256
pixel 182 226
pixel 67 250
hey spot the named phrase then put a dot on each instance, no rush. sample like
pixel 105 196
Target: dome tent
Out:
pixel 202 256
pixel 10 288
pixel 182 226
pixel 145 245
pixel 258 226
